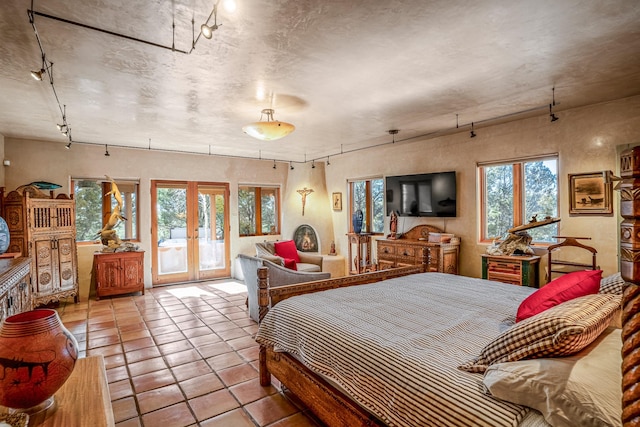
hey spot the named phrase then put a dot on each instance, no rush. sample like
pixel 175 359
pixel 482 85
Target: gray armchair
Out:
pixel 278 276
pixel 308 262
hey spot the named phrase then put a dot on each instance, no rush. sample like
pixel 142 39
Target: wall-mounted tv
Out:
pixel 428 194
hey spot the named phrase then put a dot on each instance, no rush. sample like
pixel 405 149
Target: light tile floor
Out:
pixel 182 355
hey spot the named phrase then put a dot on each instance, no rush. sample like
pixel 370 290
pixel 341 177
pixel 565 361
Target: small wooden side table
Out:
pixel 517 270
pixel 361 262
pixel 82 401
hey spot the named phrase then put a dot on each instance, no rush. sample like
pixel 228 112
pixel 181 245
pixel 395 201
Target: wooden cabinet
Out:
pixel 517 270
pixel 414 248
pixel 118 273
pixel 15 292
pixel 43 229
pixel 360 258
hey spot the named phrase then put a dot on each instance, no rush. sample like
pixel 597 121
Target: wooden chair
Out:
pixel 563 266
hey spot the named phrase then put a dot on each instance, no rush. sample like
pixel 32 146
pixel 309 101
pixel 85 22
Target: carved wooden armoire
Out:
pixel 44 230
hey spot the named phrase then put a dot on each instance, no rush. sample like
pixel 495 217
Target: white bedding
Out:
pixel 395 346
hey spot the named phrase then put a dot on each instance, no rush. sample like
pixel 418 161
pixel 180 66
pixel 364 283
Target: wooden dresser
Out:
pixel 116 273
pixel 15 287
pixel 414 246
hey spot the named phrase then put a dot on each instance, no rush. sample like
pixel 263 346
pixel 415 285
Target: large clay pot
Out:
pixel 37 355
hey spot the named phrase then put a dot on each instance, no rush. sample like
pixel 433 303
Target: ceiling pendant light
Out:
pixel 268 130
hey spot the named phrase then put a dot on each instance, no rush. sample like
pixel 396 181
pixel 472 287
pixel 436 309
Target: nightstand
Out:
pixel 514 269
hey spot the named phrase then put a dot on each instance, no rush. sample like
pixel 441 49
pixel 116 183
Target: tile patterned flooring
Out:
pixel 182 355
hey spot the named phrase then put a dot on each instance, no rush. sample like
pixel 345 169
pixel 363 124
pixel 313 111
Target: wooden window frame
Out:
pixel 106 207
pixel 517 166
pixel 368 204
pixel 258 209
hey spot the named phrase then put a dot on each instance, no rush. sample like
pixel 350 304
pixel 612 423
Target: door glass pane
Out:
pixel 541 197
pixel 172 229
pixel 210 229
pixel 499 200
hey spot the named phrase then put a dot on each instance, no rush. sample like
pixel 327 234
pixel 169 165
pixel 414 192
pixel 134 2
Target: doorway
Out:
pixel 190 228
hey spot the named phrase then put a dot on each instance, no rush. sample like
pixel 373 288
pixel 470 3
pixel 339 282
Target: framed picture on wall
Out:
pixel 590 194
pixel 337 201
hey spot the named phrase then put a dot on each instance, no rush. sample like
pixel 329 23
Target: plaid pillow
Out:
pixel 612 284
pixel 558 331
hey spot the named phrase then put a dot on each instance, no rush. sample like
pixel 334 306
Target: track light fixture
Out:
pixel 553 102
pixel 68 146
pixel 291 166
pixel 207 30
pixel 393 133
pixel 328 164
pixel 313 164
pixel 472 134
pixel 274 163
pixel 106 150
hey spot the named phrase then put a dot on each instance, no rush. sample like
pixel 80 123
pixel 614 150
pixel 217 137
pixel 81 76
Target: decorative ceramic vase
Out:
pixel 357 221
pixel 4 236
pixel 37 355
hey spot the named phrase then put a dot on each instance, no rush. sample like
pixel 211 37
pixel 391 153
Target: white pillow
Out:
pixel 579 390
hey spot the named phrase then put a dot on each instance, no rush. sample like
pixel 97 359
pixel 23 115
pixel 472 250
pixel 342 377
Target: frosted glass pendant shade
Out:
pixel 268 130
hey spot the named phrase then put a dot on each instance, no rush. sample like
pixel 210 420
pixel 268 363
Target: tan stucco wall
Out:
pixel 587 140
pixel 50 161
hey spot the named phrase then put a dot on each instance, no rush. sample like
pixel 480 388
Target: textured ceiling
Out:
pixel 343 72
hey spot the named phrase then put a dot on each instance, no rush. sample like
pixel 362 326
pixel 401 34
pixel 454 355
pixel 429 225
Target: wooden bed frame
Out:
pixel 327 402
pixel 334 408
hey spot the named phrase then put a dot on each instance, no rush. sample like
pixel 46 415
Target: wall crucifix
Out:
pixel 304 192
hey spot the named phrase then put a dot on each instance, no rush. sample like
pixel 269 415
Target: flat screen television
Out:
pixel 428 194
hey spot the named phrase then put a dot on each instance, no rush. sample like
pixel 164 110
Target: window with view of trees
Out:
pixel 512 194
pixel 258 210
pixel 94 205
pixel 367 195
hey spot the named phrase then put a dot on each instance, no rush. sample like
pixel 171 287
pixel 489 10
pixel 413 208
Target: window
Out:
pixel 367 195
pixel 513 193
pixel 258 210
pixel 94 204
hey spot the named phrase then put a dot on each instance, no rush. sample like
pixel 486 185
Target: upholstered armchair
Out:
pixel 308 262
pixel 277 276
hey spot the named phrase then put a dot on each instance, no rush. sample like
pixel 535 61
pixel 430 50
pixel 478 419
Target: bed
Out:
pixel 401 344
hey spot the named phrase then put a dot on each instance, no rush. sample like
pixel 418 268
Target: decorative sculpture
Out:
pixel 304 192
pixel 393 225
pixel 108 234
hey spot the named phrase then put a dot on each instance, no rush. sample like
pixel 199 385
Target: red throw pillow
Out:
pixel 287 249
pixel 564 288
pixel 290 263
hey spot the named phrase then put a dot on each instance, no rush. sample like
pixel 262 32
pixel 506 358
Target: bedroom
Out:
pixel 587 137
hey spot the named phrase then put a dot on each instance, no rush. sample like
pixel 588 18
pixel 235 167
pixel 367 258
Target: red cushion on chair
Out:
pixel 287 249
pixel 290 263
pixel 564 288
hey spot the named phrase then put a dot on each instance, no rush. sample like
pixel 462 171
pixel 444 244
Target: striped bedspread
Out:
pixel 394 346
